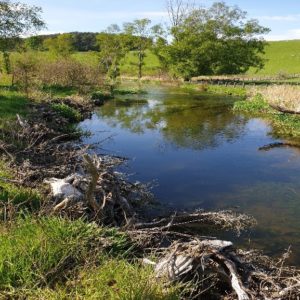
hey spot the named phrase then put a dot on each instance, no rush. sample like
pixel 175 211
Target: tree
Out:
pixel 113 46
pixel 216 40
pixel 61 45
pixel 34 43
pixel 142 30
pixel 16 20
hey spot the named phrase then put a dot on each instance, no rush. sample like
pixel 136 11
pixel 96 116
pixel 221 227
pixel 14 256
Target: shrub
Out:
pixel 67 112
pixel 68 72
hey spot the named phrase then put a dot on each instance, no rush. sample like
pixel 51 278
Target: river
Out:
pixel 199 154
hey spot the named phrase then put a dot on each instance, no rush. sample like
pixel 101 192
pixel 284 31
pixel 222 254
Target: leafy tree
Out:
pixel 142 30
pixel 84 41
pixel 61 45
pixel 16 19
pixel 216 40
pixel 113 47
pixel 34 43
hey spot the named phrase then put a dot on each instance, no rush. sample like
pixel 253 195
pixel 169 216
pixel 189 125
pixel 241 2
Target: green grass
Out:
pixel 40 252
pixel 115 279
pixel 11 104
pixel 282 57
pixel 54 258
pixel 150 68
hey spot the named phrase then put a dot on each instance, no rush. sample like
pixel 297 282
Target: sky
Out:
pixel 282 17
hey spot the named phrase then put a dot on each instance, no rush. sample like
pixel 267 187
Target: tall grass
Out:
pixel 285 96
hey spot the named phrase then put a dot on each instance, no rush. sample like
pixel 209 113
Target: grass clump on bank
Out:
pixel 70 113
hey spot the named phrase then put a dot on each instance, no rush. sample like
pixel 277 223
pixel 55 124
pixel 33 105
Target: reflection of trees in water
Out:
pixel 195 124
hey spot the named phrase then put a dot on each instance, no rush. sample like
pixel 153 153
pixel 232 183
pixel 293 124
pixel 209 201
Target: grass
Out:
pixel 12 103
pixel 151 64
pixel 115 279
pixel 283 57
pixel 54 258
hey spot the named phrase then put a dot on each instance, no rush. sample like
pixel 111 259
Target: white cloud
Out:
pixel 292 34
pixel 288 18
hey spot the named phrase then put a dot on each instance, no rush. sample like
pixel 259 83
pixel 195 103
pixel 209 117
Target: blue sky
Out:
pixel 282 17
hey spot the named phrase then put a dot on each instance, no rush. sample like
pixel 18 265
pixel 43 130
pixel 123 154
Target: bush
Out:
pixel 67 112
pixel 69 72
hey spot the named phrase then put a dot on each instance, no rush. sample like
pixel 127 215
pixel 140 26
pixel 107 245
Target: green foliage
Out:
pixel 67 112
pixel 101 95
pixel 227 90
pixel 217 40
pixel 255 105
pixel 140 29
pixel 284 125
pixel 61 45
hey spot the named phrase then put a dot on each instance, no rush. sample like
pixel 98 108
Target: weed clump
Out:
pixel 70 113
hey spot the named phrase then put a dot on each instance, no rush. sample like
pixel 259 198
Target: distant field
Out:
pixel 282 57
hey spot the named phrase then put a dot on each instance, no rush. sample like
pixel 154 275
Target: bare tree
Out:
pixel 178 10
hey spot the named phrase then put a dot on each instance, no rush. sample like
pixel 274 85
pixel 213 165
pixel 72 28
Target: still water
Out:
pixel 200 154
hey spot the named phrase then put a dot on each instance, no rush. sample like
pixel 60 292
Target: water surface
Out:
pixel 202 155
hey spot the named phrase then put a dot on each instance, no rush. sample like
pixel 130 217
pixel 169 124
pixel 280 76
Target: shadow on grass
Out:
pixel 59 91
pixel 12 103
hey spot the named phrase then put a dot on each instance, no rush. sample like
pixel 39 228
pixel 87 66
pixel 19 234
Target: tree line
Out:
pixel 214 40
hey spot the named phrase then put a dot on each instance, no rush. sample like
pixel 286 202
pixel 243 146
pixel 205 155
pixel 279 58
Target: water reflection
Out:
pixel 183 120
pixel 204 156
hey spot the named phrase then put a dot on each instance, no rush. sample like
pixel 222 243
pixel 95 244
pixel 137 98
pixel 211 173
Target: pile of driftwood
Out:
pixel 83 185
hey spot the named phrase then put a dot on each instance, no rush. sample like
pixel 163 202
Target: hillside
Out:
pixel 282 57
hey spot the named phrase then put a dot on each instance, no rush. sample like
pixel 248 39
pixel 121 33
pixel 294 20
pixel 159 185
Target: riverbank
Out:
pixel 58 263
pixel 279 105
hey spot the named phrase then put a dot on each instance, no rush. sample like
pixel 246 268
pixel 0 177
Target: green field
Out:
pixel 282 57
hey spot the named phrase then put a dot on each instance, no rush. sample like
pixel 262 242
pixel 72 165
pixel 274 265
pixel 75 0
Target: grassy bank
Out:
pixel 53 258
pixel 285 125
pixel 50 257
